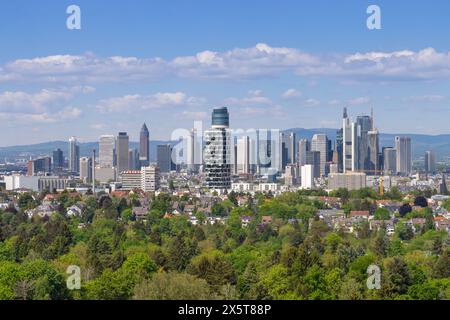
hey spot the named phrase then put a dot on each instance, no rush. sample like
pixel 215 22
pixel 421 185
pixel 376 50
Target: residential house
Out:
pixel 76 210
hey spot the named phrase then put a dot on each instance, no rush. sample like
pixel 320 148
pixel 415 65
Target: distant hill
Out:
pixel 440 144
pixel 46 148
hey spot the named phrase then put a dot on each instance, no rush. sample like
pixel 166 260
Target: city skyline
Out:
pixel 290 73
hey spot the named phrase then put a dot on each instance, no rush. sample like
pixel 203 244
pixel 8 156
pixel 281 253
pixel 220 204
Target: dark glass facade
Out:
pixel 220 117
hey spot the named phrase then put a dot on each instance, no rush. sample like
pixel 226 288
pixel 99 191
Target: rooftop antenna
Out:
pixel 373 121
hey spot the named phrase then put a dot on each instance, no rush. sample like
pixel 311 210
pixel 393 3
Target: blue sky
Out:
pixel 275 64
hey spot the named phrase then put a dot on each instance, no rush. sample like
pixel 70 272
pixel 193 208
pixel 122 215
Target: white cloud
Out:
pixel 98 126
pixel 23 102
pixel 193 115
pixel 66 114
pixel 334 102
pixel 145 102
pixel 311 102
pixel 262 60
pixel 359 101
pixel 426 98
pixel 291 93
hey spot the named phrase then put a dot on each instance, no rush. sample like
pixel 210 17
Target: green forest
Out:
pixel 294 255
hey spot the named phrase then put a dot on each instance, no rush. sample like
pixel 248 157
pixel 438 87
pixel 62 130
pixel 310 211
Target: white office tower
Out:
pixel 269 152
pixel 74 155
pixel 150 178
pixel 194 156
pixel 404 159
pixel 217 156
pixel 291 148
pixel 122 147
pixel 303 148
pixel 390 161
pixel 319 143
pixel 291 175
pixel 307 176
pixel 243 155
pixel 107 145
pixel 86 169
pixel 430 162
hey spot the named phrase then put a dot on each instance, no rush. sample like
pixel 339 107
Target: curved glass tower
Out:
pixel 220 118
pixel 217 154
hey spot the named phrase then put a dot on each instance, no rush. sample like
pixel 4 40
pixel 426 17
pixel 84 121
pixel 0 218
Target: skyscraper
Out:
pixel 243 155
pixel 39 166
pixel 348 136
pixel 403 147
pixel 430 162
pixel 313 158
pixel 133 159
pixel 290 140
pixel 107 146
pixel 364 125
pixel 74 155
pixel 86 169
pixel 58 160
pixel 319 143
pixel 122 148
pixel 144 146
pixel 303 147
pixel 390 161
pixel 373 164
pixel 218 151
pixel 194 152
pixel 164 157
pixel 339 150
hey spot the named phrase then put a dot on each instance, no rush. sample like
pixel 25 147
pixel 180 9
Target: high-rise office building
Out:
pixel 58 160
pixel 338 155
pixel 313 158
pixel 303 147
pixel 373 165
pixel 307 176
pixel 291 147
pixel 359 144
pixel 194 152
pixel 217 156
pixel 243 155
pixel 319 143
pixel 74 155
pixel 430 162
pixel 164 157
pixel 292 175
pixel 86 169
pixel 144 146
pixel 39 166
pixel 404 158
pixel 348 136
pixel 122 148
pixel 133 159
pixel 107 145
pixel 363 125
pixel 389 161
